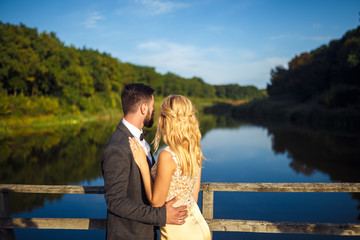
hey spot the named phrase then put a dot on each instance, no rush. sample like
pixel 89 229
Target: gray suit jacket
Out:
pixel 129 214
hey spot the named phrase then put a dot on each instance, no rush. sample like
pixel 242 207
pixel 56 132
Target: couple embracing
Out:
pixel 142 194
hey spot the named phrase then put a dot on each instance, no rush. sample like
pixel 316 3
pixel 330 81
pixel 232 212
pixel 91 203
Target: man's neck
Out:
pixel 134 120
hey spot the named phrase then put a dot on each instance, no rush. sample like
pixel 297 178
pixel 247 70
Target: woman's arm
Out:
pixel 156 191
pixel 165 169
pixel 197 187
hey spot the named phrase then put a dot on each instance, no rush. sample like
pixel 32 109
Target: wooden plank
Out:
pixel 59 189
pixel 281 187
pixel 345 229
pixel 211 186
pixel 53 223
pixel 208 204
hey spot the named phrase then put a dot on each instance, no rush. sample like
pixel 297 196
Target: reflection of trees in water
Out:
pixel 301 168
pixel 63 156
pixel 333 153
pixel 56 157
pixel 59 156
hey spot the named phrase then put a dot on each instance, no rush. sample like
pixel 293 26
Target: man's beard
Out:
pixel 149 120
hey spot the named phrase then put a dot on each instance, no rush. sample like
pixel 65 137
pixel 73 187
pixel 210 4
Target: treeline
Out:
pixel 320 88
pixel 40 75
pixel 329 75
pixel 234 91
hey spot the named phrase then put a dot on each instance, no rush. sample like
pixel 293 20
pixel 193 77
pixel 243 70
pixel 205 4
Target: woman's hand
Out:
pixel 138 152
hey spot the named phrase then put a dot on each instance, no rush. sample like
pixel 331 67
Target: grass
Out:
pixel 14 124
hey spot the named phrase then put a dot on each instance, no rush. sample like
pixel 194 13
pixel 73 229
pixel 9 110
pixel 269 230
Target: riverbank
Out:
pixel 14 124
pixel 270 110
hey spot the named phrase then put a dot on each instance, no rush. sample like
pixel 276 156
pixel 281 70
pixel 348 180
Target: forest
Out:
pixel 329 75
pixel 320 87
pixel 39 75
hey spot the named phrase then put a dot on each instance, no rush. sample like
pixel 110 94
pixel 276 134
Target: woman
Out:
pixel 177 172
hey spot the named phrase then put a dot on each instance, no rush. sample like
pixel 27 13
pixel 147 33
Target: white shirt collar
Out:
pixel 137 132
pixel 134 130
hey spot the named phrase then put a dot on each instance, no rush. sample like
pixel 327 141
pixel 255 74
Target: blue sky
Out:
pixel 221 41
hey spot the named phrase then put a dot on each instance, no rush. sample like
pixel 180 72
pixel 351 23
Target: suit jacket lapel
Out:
pixel 149 162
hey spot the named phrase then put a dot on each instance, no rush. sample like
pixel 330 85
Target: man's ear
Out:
pixel 143 108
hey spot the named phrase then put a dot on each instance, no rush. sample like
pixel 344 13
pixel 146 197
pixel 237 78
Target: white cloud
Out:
pixel 215 29
pixel 213 65
pixel 294 36
pixel 161 7
pixel 257 72
pixel 92 21
pixel 282 36
pixel 167 56
pixel 243 72
pixel 318 38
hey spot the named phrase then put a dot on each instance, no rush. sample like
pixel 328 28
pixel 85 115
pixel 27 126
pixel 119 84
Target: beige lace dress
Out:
pixel 182 186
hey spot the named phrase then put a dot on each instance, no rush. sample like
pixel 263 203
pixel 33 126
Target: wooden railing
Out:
pixel 208 189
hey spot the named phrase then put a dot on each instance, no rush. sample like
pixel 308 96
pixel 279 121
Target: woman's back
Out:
pixel 181 186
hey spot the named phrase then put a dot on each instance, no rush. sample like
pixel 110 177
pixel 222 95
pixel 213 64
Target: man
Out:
pixel 129 214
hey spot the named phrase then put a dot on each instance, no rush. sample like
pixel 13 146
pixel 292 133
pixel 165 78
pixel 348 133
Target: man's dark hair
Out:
pixel 133 94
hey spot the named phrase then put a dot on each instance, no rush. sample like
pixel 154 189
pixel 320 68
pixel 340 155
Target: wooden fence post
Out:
pixel 7 234
pixel 208 205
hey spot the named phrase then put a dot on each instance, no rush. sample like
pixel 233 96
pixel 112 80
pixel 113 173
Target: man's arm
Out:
pixel 116 165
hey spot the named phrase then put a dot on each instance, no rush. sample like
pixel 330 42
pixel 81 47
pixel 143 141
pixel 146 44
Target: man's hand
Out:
pixel 175 215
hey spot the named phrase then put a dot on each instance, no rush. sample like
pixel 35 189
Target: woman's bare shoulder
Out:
pixel 166 157
pixel 165 153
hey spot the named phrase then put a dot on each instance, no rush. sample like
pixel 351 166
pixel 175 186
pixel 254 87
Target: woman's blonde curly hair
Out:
pixel 179 129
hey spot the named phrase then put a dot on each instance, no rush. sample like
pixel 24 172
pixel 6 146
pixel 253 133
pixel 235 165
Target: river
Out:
pixel 236 151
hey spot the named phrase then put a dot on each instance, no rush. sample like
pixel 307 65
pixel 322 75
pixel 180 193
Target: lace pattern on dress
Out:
pixel 181 185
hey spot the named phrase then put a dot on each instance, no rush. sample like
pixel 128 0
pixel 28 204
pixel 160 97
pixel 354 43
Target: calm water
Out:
pixel 236 152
